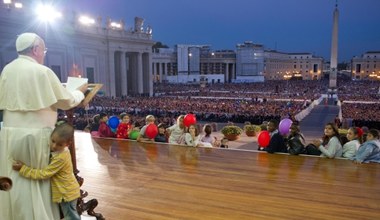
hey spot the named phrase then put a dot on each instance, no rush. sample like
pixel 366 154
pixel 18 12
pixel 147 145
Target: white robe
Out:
pixel 30 95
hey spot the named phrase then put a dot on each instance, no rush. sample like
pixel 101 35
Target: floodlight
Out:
pixel 115 25
pixel 18 5
pixel 47 13
pixel 7 2
pixel 86 20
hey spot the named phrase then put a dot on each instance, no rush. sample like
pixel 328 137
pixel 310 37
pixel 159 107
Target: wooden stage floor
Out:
pixel 134 180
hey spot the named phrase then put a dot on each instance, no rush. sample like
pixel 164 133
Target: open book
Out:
pixel 74 83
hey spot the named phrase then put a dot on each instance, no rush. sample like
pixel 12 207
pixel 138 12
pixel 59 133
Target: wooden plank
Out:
pixel 134 180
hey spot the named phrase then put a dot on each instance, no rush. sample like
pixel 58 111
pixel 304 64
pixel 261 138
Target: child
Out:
pixel 124 127
pixel 176 132
pixel 277 142
pixel 192 136
pixel 161 136
pixel 206 139
pixel 330 145
pixel 369 151
pixel 104 130
pixel 64 186
pixel 295 141
pixel 350 148
pixel 149 119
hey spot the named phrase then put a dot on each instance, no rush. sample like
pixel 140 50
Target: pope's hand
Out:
pixel 83 88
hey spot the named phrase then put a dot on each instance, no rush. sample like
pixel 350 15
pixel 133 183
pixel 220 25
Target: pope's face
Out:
pixel 39 51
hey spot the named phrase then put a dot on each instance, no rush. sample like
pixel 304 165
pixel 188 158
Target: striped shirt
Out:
pixel 64 185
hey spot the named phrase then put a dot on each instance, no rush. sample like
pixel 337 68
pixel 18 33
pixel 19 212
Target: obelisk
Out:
pixel 334 49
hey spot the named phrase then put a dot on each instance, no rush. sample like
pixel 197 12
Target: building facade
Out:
pixel 104 52
pixel 193 64
pixel 366 66
pixel 249 63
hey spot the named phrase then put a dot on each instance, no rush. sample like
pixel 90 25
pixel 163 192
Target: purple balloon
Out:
pixel 285 126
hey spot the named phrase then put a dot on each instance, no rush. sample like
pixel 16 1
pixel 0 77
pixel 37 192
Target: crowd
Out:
pixel 360 91
pixel 213 110
pixel 279 89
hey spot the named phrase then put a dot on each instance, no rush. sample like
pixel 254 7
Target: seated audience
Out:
pixel 295 140
pixel 124 126
pixel 277 142
pixel 104 130
pixel 176 132
pixel 350 148
pixel 149 119
pixel 369 151
pixel 192 137
pixel 330 145
pixel 206 139
pixel 161 136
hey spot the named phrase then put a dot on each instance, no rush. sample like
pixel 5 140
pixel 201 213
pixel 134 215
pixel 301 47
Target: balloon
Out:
pixel 189 119
pixel 133 135
pixel 285 125
pixel 151 131
pixel 113 122
pixel 263 138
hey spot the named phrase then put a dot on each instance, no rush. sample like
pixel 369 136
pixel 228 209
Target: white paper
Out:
pixel 73 83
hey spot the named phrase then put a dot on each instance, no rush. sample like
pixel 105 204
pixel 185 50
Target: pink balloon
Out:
pixel 263 138
pixel 189 119
pixel 151 131
pixel 285 125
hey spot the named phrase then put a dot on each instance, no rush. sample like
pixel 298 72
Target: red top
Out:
pixel 105 131
pixel 122 130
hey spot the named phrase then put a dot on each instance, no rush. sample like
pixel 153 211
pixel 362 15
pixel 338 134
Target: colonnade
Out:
pixel 130 73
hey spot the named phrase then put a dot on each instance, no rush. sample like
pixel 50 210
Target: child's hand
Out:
pixel 317 143
pixel 357 162
pixel 5 186
pixel 17 165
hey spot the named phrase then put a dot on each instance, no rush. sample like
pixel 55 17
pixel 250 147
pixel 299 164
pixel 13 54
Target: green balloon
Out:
pixel 133 135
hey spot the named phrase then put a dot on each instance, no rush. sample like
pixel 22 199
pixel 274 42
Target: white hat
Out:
pixel 25 40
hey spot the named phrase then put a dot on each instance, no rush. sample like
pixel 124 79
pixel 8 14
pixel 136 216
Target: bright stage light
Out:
pixel 7 1
pixel 47 13
pixel 18 5
pixel 86 20
pixel 115 25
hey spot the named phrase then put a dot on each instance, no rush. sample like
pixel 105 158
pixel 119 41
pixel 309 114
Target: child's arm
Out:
pixel 332 148
pixel 55 165
pixel 363 153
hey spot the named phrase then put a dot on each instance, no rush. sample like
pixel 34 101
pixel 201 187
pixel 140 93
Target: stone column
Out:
pixel 227 74
pixel 139 73
pixel 150 75
pixel 124 83
pixel 111 79
pixel 154 72
pixel 162 72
